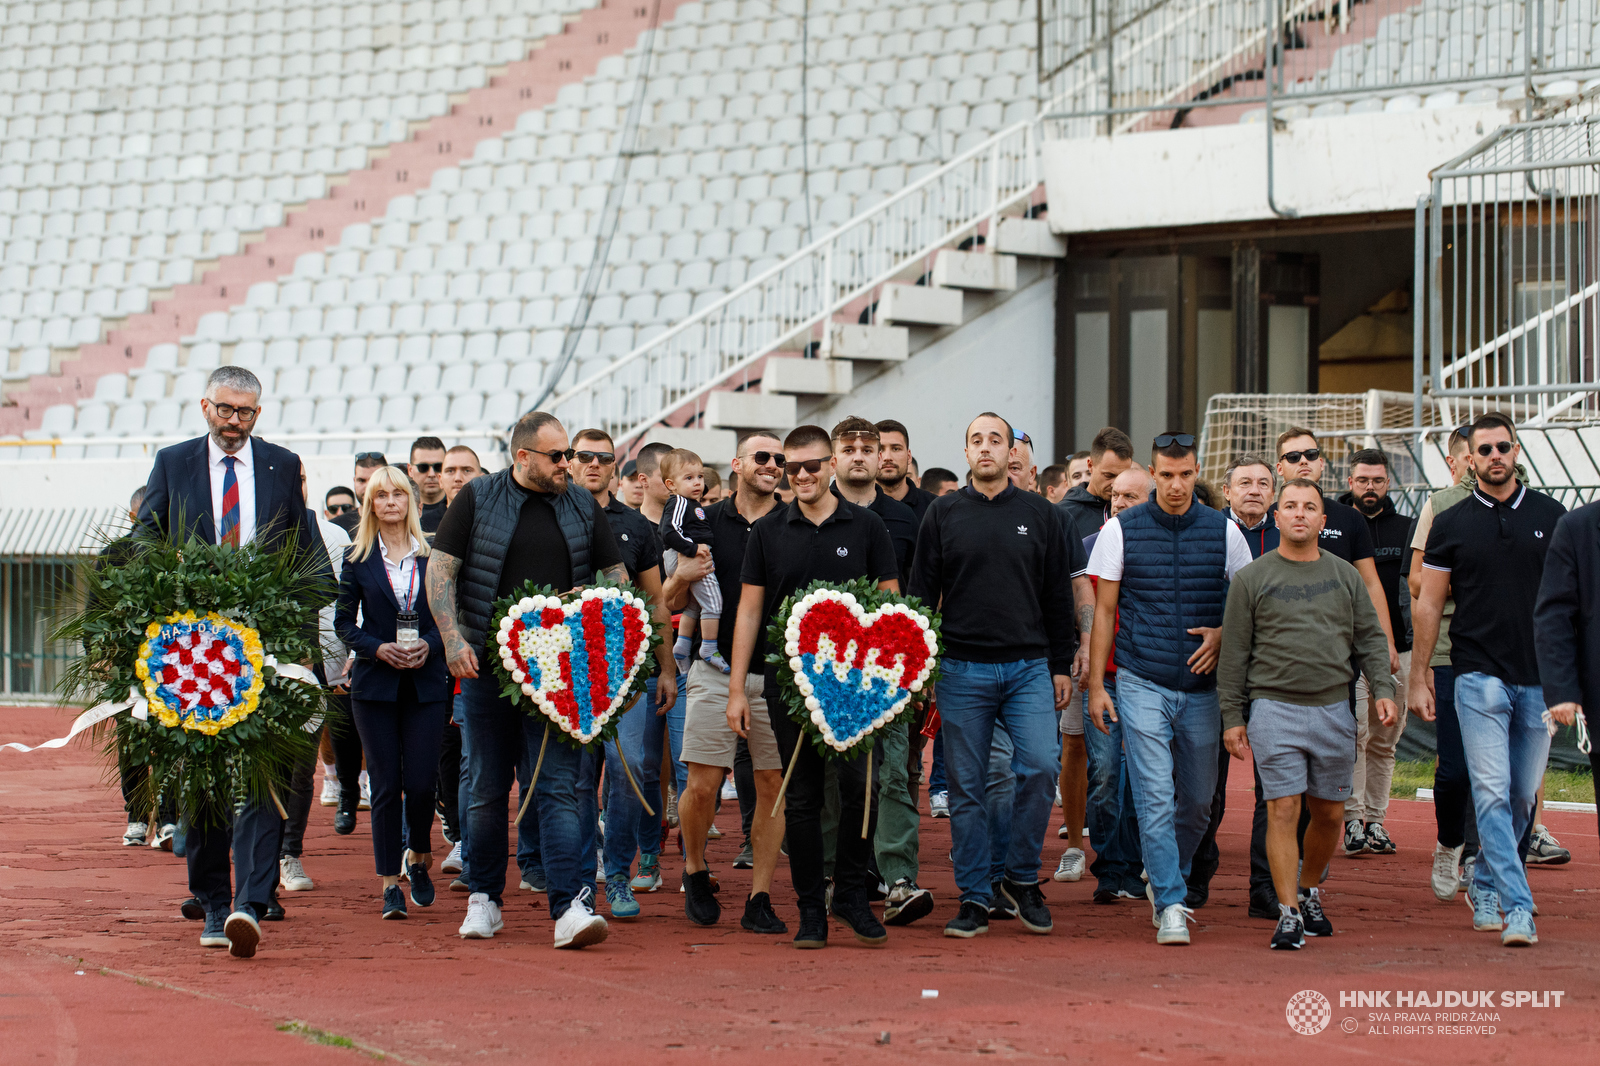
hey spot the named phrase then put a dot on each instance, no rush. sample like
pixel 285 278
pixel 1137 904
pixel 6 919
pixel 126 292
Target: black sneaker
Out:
pixel 1105 896
pixel 699 901
pixel 1290 934
pixel 422 891
pixel 1001 909
pixel 394 902
pixel 759 916
pixel 813 931
pixel 972 921
pixel 1029 903
pixel 854 911
pixel 274 910
pixel 1378 841
pixel 191 909
pixel 1316 922
pixel 1197 896
pixel 344 820
pixel 1264 907
pixel 1355 838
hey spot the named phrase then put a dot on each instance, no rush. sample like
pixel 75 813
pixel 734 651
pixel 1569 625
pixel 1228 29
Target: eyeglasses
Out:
pixel 556 457
pixel 1167 440
pixel 1311 454
pixel 767 458
pixel 1369 482
pixel 1502 446
pixel 226 411
pixel 810 466
pixel 341 508
pixel 429 468
pixel 604 458
pixel 368 458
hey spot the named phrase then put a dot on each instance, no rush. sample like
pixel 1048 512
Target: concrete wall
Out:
pixel 1002 361
pixel 1326 166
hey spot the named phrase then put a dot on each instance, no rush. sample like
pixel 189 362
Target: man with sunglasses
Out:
pixel 1020 466
pixel 1490 551
pixel 517 525
pixel 228 488
pixel 711 737
pixel 1003 566
pixel 823 537
pixel 427 470
pixel 1164 569
pixel 339 500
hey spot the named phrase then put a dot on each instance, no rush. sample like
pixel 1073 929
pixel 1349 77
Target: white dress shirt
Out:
pixel 335 656
pixel 1106 562
pixel 403 576
pixel 244 472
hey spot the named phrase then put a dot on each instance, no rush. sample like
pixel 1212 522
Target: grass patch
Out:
pixel 1566 786
pixel 321 1036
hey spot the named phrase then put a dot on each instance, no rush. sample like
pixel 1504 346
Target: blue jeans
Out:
pixel 654 731
pixel 458 714
pixel 1170 739
pixel 502 735
pixel 1507 746
pixel 1000 797
pixel 1113 827
pixel 936 779
pixel 973 697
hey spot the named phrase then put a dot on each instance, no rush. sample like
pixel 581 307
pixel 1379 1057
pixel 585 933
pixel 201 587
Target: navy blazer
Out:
pixel 1566 618
pixel 365 585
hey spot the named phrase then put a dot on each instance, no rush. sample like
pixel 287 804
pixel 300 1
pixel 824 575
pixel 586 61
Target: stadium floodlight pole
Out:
pixel 1274 43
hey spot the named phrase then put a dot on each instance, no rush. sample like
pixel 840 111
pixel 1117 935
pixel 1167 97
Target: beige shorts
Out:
pixel 706 737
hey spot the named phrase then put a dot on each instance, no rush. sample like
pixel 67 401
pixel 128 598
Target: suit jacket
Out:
pixel 1566 617
pixel 364 585
pixel 177 501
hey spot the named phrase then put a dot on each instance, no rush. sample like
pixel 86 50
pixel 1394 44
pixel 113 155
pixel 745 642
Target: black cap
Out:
pixel 630 468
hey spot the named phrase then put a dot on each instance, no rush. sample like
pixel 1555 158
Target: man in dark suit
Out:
pixel 1565 629
pixel 228 488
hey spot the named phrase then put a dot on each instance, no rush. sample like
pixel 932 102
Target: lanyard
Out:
pixel 411 584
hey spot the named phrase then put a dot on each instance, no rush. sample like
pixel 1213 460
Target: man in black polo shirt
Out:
pixel 1000 564
pixel 1489 551
pixel 818 537
pixel 628 831
pixel 894 464
pixel 710 741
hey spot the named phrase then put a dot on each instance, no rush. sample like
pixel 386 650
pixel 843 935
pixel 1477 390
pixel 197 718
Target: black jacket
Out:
pixel 1084 511
pixel 365 585
pixel 1391 549
pixel 1566 633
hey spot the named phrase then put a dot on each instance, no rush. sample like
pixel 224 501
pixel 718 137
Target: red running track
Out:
pixel 1098 990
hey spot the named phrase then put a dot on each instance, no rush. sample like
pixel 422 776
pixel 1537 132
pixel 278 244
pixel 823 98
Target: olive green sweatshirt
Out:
pixel 1289 633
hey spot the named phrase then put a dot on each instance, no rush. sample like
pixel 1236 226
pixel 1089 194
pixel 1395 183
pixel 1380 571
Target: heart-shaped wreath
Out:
pixel 851 658
pixel 576 658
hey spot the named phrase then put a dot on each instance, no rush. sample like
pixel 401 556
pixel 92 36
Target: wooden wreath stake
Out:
pixel 624 760
pixel 276 802
pixel 866 808
pixel 793 759
pixel 535 778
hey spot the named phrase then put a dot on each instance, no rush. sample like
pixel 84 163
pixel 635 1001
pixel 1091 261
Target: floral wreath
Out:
pixel 842 695
pixel 202 672
pixel 550 647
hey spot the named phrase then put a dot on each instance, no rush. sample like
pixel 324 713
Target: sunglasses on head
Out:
pixel 767 458
pixel 810 466
pixel 1182 440
pixel 1311 454
pixel 1502 446
pixel 1022 437
pixel 368 458
pixel 604 458
pixel 429 468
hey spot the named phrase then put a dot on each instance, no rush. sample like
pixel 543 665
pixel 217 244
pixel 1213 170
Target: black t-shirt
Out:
pixel 538 551
pixel 348 521
pixel 1391 535
pixel 902 524
pixel 1494 553
pixel 732 532
pixel 1345 534
pixel 785 552
pixel 431 514
pixel 637 539
pixel 919 500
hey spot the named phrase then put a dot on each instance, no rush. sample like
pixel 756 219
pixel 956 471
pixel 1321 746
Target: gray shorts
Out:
pixel 1303 749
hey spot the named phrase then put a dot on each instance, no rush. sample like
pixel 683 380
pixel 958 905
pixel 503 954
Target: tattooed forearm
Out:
pixel 442 571
pixel 1085 619
pixel 617 574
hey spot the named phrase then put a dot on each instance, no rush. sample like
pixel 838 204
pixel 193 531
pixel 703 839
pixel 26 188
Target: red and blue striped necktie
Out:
pixel 229 526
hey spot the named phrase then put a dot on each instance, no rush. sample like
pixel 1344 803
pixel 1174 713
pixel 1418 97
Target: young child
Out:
pixel 684 530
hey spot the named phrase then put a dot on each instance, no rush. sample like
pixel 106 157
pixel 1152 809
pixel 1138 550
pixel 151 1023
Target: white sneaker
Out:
pixel 366 793
pixel 483 918
pixel 730 791
pixel 292 876
pixel 580 926
pixel 1446 876
pixel 939 805
pixel 713 833
pixel 330 787
pixel 1058 793
pixel 452 861
pixel 135 834
pixel 1174 927
pixel 1072 864
pixel 163 838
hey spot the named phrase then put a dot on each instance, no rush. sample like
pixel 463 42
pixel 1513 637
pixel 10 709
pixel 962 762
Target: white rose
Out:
pixel 792 632
pixel 848 598
pixel 813 704
pixel 916 686
pixel 877 723
pixel 922 623
pixel 526 604
pixel 519 676
pixel 589 594
pixel 817 720
pixel 795 664
pixel 792 648
pixel 503 638
pixel 506 624
pixel 527 689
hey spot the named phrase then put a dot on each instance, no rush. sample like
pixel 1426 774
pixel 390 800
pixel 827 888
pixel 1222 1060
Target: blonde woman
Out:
pixel 400 688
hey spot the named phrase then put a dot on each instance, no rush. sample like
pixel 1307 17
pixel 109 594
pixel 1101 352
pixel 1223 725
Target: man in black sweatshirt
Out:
pixel 1000 564
pixel 1086 504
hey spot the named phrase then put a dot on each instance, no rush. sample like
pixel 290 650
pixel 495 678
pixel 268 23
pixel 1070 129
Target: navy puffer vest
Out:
pixel 497 505
pixel 1174 578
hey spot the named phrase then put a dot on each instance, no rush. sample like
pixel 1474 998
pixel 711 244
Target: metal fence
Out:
pixel 1116 65
pixel 31 592
pixel 1507 252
